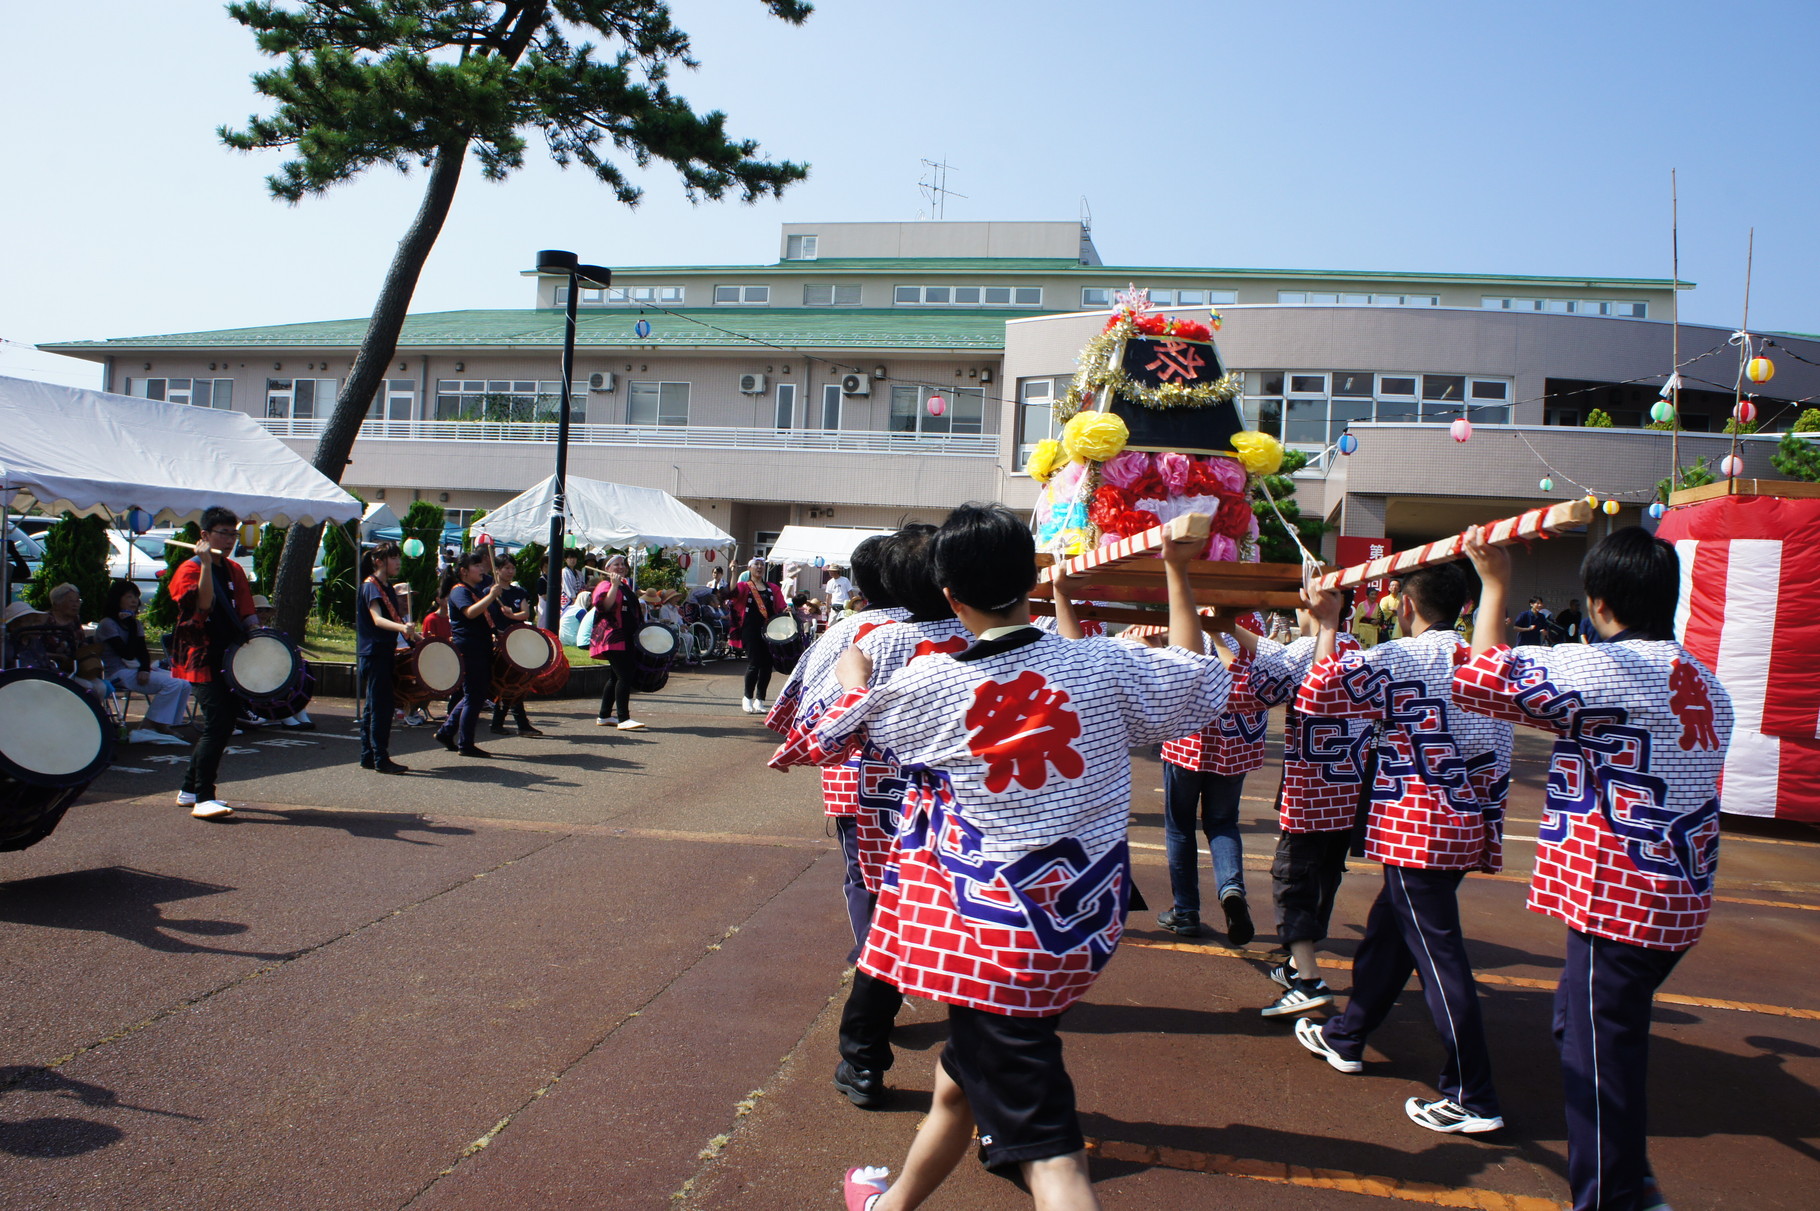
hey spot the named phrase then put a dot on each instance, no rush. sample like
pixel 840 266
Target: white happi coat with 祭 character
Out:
pixel 1012 873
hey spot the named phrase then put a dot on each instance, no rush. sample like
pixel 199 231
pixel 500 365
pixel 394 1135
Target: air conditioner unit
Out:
pixel 986 374
pixel 856 384
pixel 752 384
pixel 603 382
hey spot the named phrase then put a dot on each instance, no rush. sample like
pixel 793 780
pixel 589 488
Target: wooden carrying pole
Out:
pixel 1537 523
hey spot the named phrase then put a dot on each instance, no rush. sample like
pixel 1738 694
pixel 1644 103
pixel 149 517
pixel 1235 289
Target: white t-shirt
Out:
pixel 839 589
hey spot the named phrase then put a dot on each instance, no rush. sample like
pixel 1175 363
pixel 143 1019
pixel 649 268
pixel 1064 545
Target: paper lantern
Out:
pixel 937 405
pixel 1745 411
pixel 1731 466
pixel 1592 502
pixel 1348 443
pixel 683 561
pixel 483 540
pixel 249 533
pixel 820 562
pixel 1657 509
pixel 138 520
pixel 1547 484
pixel 1461 429
pixel 413 547
pixel 1611 508
pixel 571 542
pixel 642 328
pixel 1760 370
pixel 1662 412
pixel 710 554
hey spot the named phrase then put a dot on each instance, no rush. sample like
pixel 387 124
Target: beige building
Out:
pixel 801 390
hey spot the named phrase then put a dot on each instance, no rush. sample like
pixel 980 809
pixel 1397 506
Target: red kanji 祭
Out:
pixel 1176 360
pixel 1020 729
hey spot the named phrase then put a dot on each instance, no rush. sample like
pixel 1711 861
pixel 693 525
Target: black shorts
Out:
pixel 1011 1071
pixel 1306 876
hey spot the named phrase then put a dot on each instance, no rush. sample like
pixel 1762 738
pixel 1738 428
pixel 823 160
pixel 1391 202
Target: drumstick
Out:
pixel 1537 523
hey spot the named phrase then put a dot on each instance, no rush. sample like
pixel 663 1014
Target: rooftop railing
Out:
pixel 853 441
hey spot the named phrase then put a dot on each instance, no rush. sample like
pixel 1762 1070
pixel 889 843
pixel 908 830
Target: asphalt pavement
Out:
pixel 602 969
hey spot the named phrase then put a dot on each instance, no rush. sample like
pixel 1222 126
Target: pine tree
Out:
pixel 404 83
pixel 265 558
pixel 422 521
pixel 161 611
pixel 1598 418
pixel 75 552
pixel 1274 542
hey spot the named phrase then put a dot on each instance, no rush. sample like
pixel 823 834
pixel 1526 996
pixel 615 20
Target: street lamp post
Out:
pixel 552 261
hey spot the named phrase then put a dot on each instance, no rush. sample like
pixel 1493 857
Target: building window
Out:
pixel 1323 298
pixel 1624 310
pixel 1036 399
pixel 831 398
pixel 786 405
pixel 799 247
pixel 657 404
pixel 198 392
pixel 1318 407
pixel 830 295
pixel 1096 296
pixel 742 295
pixel 968 296
pixel 396 399
pixel 965 413
pixel 299 398
pixel 505 399
pixel 622 296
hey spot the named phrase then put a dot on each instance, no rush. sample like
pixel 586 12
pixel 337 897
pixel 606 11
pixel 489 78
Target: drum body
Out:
pixel 520 653
pixel 54 740
pixel 653 651
pixel 785 639
pixel 428 669
pixel 555 678
pixel 266 671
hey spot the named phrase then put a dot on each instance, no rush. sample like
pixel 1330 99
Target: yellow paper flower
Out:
pixel 1045 460
pixel 1095 436
pixel 1074 542
pixel 1261 453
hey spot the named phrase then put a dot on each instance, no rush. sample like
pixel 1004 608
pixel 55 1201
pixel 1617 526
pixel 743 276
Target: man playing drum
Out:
pixel 378 622
pixel 514 605
pixel 214 610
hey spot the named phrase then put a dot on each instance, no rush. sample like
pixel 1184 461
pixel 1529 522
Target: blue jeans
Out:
pixel 476 687
pixel 1215 799
pixel 375 673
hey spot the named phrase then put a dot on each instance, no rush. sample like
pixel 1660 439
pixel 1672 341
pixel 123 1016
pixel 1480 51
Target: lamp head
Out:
pixel 555 260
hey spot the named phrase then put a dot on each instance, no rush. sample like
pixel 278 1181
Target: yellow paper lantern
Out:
pixel 1760 370
pixel 1095 436
pixel 1611 508
pixel 1592 502
pixel 1261 453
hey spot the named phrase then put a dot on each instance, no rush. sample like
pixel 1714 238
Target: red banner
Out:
pixel 1350 551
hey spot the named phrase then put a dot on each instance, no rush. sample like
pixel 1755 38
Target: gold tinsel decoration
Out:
pixel 1099 376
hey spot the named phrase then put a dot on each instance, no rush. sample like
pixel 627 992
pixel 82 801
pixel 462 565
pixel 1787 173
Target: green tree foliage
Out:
pixel 421 83
pixel 76 552
pixel 1732 426
pixel 1808 422
pixel 1696 476
pixel 530 559
pixel 1598 418
pixel 660 570
pixel 265 558
pixel 161 611
pixel 1274 543
pixel 422 521
pixel 340 583
pixel 1799 457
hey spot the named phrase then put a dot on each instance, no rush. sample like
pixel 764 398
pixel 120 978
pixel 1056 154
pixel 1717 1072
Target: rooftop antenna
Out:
pixel 935 187
pixel 1086 214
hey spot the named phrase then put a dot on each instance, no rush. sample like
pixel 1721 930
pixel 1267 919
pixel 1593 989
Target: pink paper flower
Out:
pixel 1126 469
pixel 1228 472
pixel 1220 547
pixel 1174 469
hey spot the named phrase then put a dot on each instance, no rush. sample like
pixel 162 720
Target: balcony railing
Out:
pixel 704 437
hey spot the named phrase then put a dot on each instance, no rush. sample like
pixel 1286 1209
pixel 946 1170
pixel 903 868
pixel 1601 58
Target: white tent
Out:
pixel 379 516
pixel 604 515
pixel 88 452
pixel 831 544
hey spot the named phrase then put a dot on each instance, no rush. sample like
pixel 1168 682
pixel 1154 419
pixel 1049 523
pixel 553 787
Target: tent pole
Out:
pixel 6 564
pixel 553 557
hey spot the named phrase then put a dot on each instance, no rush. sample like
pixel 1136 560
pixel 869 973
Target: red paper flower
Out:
pixel 1233 518
pixel 1190 330
pixel 1152 324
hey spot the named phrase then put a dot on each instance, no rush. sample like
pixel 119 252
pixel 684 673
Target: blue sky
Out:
pixel 1530 138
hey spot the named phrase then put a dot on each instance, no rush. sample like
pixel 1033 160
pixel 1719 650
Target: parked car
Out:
pixel 30 550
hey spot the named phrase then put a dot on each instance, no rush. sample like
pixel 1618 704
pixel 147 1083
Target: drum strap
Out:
pixel 385 597
pixel 758 599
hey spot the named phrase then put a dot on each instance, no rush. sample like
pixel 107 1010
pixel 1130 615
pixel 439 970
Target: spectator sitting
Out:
pixel 126 662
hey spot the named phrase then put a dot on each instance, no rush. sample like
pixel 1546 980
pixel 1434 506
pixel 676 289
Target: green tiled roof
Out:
pixel 720 327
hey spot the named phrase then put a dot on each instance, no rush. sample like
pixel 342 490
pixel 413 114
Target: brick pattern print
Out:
pixel 1323 757
pixel 1630 842
pixel 1442 774
pixel 1012 900
pixel 1234 742
pixel 812 680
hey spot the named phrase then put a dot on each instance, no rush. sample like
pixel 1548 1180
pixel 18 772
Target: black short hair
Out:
pixel 909 575
pixel 866 578
pixel 470 559
pixel 215 515
pixel 1638 577
pixel 985 556
pixel 1437 593
pixel 116 593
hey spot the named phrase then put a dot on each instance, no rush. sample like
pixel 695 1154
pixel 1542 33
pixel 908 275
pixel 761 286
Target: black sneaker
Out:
pixel 1185 921
pixel 498 729
pixel 525 729
pixel 448 741
pixel 1239 929
pixel 1300 997
pixel 472 750
pixel 1283 974
pixel 366 763
pixel 392 767
pixel 863 1087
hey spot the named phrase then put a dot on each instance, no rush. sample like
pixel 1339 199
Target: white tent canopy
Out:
pixel 88 452
pixel 379 516
pixel 604 515
pixel 832 544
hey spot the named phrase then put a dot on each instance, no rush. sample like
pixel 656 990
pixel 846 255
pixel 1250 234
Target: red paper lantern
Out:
pixel 683 560
pixel 937 405
pixel 1746 412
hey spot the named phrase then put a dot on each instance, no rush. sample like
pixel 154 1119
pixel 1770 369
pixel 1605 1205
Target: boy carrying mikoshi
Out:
pixel 1627 852
pixel 1013 874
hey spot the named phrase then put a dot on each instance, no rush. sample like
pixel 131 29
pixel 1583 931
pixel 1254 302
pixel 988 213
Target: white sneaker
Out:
pixel 211 809
pixel 631 725
pixel 186 798
pixel 1308 1033
pixel 745 704
pixel 1449 1117
pixel 607 721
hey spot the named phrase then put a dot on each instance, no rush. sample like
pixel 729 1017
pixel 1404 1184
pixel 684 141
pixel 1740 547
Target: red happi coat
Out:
pixel 1323 757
